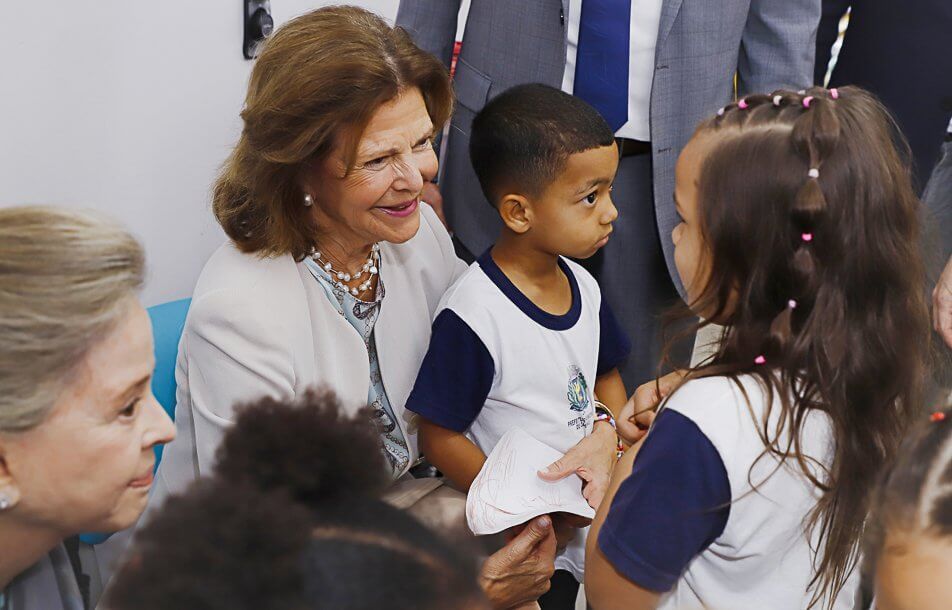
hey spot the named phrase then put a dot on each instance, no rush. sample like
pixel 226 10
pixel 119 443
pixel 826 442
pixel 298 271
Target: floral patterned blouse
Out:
pixel 362 315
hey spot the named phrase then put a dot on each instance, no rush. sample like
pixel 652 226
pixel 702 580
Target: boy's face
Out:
pixel 573 216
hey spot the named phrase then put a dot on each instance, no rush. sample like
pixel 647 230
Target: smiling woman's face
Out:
pixel 88 465
pixel 378 200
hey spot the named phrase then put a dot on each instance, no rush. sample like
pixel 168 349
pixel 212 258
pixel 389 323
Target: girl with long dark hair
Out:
pixel 800 237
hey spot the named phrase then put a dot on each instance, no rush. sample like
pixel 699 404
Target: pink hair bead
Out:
pixel 807 100
pixel 760 360
pixel 834 93
pixel 742 104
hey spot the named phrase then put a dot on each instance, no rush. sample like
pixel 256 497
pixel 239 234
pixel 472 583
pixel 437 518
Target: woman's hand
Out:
pixel 942 304
pixel 638 413
pixel 516 575
pixel 591 459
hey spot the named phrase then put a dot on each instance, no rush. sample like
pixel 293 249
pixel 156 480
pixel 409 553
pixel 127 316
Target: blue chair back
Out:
pixel 168 320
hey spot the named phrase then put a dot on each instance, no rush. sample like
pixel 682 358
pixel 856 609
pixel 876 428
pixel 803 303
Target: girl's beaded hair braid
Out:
pixel 813 269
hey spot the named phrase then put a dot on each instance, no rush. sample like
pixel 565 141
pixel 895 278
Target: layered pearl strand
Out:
pixel 371 268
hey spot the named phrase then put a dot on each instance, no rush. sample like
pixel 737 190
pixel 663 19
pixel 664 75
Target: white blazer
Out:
pixel 264 327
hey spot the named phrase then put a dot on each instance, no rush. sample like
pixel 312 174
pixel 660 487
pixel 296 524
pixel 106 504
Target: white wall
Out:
pixel 129 106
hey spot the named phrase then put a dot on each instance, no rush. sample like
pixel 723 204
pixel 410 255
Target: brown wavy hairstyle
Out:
pixel 317 82
pixel 820 274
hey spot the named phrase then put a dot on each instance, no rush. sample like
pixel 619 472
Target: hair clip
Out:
pixel 742 103
pixel 720 111
pixel 937 416
pixel 760 359
pixel 807 236
pixel 777 99
pixel 792 304
pixel 807 100
pixel 814 173
pixel 834 93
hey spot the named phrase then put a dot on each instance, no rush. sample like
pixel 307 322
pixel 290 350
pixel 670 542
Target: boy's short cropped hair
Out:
pixel 522 138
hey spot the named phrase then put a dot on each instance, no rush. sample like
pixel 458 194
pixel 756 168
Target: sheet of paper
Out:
pixel 508 490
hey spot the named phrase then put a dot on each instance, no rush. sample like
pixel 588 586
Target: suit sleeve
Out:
pixel 431 24
pixel 778 47
pixel 236 354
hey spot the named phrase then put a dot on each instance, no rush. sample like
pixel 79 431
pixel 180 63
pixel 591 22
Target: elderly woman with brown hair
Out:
pixel 334 265
pixel 78 421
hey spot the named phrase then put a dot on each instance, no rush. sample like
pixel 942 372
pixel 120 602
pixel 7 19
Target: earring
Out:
pixel 308 200
pixel 4 503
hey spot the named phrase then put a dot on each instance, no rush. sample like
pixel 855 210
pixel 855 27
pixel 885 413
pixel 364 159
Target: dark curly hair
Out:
pixel 293 520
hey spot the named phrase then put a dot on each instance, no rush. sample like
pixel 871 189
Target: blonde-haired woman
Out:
pixel 78 421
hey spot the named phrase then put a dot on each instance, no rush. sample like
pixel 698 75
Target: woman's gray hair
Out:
pixel 66 277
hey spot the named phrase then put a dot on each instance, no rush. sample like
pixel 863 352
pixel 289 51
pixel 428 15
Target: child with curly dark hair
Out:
pixel 293 521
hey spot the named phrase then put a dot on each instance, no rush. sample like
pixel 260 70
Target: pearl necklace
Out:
pixel 371 268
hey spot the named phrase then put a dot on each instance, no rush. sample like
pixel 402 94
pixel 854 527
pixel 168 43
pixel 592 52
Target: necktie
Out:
pixel 601 65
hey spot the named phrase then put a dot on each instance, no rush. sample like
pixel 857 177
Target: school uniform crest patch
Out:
pixel 578 390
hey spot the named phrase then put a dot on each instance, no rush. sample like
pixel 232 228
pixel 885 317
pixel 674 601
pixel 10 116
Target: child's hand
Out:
pixel 638 413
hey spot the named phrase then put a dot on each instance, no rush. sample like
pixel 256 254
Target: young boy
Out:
pixel 520 336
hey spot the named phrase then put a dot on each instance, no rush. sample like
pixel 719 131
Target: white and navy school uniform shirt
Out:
pixel 686 522
pixel 496 361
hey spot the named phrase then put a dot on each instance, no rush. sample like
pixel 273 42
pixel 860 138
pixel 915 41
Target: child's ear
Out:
pixel 516 212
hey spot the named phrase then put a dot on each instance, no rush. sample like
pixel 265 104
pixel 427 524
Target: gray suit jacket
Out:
pixel 701 44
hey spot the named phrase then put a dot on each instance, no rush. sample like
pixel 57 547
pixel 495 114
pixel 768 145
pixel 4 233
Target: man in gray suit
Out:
pixel 681 59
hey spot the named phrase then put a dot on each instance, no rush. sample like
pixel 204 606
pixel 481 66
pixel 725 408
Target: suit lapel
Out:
pixel 669 11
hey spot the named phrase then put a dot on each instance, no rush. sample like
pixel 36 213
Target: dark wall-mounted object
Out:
pixel 258 25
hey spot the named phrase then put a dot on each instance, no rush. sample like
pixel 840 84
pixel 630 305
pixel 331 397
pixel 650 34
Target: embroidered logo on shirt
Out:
pixel 578 390
pixel 578 398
